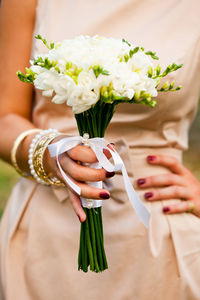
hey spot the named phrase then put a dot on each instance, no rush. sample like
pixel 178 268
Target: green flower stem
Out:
pixel 93 238
pixel 100 223
pixel 102 243
pixel 88 241
pixel 80 255
pixel 94 125
pixel 100 220
pixel 98 120
pixel 98 239
pixel 84 249
pixel 91 250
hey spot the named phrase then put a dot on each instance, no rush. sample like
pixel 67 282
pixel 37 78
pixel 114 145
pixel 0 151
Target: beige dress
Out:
pixel 39 237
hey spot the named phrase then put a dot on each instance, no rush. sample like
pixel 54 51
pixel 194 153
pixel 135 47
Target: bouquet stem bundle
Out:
pixel 91 249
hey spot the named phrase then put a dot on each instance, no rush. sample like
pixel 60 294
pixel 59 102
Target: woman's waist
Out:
pixel 142 168
pixel 135 159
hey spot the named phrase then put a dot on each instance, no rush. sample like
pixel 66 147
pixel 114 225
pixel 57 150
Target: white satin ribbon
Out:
pixel 97 145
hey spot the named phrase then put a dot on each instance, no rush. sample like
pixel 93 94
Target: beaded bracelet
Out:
pixel 15 146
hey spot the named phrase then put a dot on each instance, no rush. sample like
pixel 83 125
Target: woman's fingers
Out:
pixel 90 192
pixel 87 191
pixel 160 180
pixel 170 162
pixel 76 203
pixel 171 192
pixel 82 173
pixel 180 184
pixel 85 154
pixel 184 206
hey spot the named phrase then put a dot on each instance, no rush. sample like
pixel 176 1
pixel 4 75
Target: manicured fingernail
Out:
pixel 141 181
pixel 148 195
pixel 151 157
pixel 166 209
pixel 104 195
pixel 112 145
pixel 109 174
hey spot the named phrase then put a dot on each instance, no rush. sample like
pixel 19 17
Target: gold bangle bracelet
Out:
pixel 15 146
pixel 38 160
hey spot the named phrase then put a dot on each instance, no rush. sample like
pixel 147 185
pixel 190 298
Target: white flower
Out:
pixel 82 99
pixel 124 80
pixel 45 81
pixel 37 69
pixel 140 62
pixel 128 93
pixel 148 85
pixel 72 78
pixel 87 79
pixel 63 88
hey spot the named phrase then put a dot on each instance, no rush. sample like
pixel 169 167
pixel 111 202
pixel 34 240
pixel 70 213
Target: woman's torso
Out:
pixel 171 28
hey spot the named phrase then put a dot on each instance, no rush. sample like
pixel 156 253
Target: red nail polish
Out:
pixel 148 195
pixel 166 209
pixel 141 181
pixel 151 157
pixel 109 174
pixel 104 195
pixel 112 146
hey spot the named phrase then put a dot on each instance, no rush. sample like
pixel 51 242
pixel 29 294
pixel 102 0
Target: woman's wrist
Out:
pixel 23 153
pixel 36 154
pixel 32 156
pixel 49 163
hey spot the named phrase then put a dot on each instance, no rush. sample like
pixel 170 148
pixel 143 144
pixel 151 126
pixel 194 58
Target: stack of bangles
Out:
pixel 37 149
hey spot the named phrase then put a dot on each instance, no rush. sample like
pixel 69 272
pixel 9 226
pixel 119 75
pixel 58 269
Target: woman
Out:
pixel 39 231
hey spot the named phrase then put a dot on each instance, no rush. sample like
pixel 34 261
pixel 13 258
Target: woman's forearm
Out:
pixel 11 125
pixel 17 21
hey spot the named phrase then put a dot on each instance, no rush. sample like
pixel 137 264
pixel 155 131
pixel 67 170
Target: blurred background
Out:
pixel 8 176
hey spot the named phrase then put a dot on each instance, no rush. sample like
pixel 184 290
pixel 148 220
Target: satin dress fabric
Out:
pixel 39 233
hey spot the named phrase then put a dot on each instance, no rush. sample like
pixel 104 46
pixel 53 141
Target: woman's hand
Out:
pixel 180 184
pixel 71 162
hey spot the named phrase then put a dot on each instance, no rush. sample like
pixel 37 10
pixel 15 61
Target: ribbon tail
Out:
pixel 137 204
pixel 74 186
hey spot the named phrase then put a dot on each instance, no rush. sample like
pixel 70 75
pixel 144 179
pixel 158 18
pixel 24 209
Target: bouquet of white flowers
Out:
pixel 93 75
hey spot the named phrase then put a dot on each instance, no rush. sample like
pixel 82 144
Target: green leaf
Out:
pixel 39 37
pixel 171 85
pixel 99 70
pixel 169 69
pixel 44 62
pixel 28 77
pixel 158 70
pixel 150 72
pixel 152 54
pixel 133 51
pixel 52 45
pixel 126 57
pixel 124 41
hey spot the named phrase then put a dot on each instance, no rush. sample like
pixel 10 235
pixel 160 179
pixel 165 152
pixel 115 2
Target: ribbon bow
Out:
pixel 97 145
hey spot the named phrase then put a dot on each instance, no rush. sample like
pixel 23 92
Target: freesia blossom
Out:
pixel 81 99
pixel 83 70
pixel 45 81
